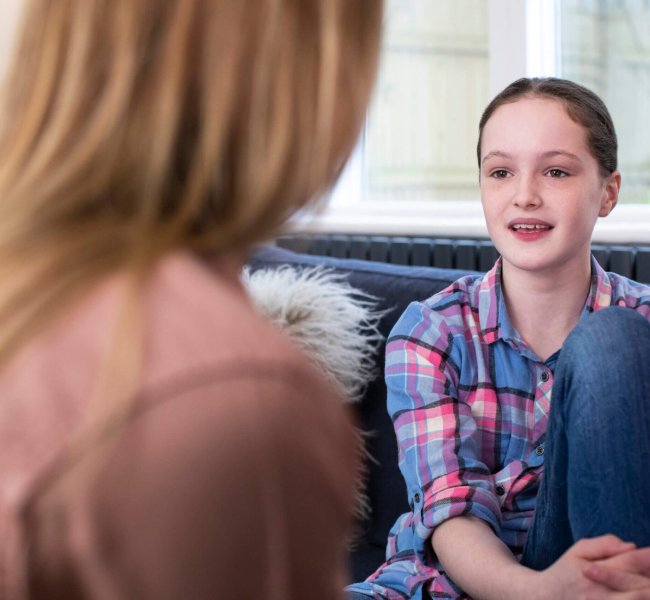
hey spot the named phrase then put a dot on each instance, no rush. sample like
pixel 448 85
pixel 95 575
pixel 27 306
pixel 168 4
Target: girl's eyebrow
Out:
pixel 548 154
pixel 495 153
pixel 552 153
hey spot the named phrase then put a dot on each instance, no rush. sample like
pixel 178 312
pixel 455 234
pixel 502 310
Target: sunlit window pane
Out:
pixel 433 84
pixel 606 46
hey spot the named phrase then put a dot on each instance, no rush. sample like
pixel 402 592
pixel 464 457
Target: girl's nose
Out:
pixel 527 193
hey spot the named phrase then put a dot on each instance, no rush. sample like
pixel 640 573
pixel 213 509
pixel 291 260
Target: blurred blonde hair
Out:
pixel 132 128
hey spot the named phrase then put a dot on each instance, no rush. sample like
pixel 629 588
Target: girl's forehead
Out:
pixel 533 107
pixel 533 121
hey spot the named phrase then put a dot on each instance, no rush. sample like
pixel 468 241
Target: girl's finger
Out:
pixel 616 579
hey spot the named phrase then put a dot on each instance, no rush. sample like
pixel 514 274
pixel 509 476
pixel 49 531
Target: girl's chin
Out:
pixel 543 265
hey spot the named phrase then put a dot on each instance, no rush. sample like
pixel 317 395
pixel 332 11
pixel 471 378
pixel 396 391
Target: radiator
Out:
pixel 479 255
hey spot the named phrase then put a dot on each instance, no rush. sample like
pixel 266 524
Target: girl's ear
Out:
pixel 610 194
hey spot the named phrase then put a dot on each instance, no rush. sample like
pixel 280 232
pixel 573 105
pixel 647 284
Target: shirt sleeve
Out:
pixel 436 433
pixel 240 487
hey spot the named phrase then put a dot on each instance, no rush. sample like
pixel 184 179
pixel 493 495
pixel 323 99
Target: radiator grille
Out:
pixel 630 261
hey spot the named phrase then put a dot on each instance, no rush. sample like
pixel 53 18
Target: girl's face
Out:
pixel 541 187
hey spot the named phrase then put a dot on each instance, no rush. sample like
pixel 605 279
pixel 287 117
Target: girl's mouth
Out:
pixel 530 227
pixel 530 232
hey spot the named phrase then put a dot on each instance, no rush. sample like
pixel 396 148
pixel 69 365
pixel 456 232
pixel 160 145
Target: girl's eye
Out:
pixel 556 173
pixel 499 174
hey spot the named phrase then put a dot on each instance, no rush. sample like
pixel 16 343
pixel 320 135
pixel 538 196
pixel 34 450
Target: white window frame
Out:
pixel 526 44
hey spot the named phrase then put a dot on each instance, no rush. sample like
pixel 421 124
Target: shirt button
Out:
pixel 416 498
pixel 539 450
pixel 500 490
pixel 544 376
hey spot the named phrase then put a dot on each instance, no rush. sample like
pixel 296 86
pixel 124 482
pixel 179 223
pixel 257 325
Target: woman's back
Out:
pixel 230 432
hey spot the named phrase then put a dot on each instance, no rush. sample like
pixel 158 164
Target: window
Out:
pixel 605 46
pixel 432 87
pixel 414 171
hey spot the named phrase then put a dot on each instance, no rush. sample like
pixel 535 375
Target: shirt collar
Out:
pixel 491 309
pixel 493 316
pixel 600 290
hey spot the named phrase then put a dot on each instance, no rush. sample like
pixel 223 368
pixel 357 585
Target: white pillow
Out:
pixel 334 322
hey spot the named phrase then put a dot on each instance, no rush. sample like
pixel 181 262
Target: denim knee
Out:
pixel 605 356
pixel 609 338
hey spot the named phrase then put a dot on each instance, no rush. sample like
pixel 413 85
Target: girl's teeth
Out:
pixel 531 227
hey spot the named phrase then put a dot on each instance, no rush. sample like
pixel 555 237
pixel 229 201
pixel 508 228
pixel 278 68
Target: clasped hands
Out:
pixel 600 568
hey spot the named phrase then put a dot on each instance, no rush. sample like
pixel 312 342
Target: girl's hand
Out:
pixel 597 569
pixel 629 571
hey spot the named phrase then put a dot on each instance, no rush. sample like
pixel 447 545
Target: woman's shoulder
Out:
pixel 194 309
pixel 197 336
pixel 230 420
pixel 204 338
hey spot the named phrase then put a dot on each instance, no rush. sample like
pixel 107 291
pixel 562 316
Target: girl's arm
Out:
pixel 479 562
pixel 483 566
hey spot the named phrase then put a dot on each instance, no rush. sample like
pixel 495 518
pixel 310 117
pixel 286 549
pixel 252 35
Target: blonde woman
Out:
pixel 157 439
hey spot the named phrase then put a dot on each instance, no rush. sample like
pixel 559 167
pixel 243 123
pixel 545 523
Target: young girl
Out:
pixel 470 373
pixel 158 439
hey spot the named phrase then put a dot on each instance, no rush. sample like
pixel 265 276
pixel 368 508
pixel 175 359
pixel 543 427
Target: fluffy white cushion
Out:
pixel 334 322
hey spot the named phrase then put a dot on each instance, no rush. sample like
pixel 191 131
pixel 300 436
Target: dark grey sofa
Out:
pixel 395 286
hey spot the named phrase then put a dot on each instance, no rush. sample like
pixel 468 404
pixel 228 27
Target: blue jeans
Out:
pixel 597 458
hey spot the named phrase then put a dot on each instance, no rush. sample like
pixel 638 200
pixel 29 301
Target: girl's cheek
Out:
pixel 492 185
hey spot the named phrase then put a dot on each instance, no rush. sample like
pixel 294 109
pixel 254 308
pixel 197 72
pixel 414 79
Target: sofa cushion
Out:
pixel 394 286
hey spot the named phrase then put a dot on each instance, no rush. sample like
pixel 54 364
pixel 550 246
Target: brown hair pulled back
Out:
pixel 583 106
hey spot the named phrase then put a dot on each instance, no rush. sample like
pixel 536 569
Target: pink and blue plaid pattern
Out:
pixel 469 402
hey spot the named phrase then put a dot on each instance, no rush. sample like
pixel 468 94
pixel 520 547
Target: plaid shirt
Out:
pixel 469 401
